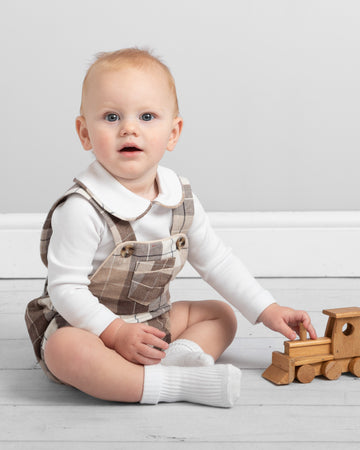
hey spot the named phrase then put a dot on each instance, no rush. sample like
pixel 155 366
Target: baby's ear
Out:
pixel 175 133
pixel 83 133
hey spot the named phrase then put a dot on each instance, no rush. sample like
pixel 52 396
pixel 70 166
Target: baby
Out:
pixel 116 239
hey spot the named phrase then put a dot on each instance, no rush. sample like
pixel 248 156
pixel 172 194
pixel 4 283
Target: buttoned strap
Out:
pixel 184 213
pixel 120 229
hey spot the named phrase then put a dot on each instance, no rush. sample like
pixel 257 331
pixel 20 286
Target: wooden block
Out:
pixel 284 362
pixel 302 360
pixel 339 313
pixel 276 375
pixel 308 342
pixel 322 349
pixel 282 369
pixel 309 347
pixel 346 337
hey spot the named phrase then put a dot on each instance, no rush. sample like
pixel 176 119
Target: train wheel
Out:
pixel 354 367
pixel 331 370
pixel 305 374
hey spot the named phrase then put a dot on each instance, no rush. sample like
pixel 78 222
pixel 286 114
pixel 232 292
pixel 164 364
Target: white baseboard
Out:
pixel 271 244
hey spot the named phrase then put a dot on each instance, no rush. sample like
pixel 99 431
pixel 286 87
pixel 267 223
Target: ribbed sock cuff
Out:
pixel 153 380
pixel 216 385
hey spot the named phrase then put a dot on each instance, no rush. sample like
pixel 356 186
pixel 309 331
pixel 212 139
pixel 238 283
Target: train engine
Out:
pixel 335 353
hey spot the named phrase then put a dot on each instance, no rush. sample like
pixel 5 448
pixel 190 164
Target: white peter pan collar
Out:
pixel 124 204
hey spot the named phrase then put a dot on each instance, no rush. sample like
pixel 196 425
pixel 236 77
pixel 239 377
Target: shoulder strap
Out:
pixel 121 230
pixel 46 231
pixel 183 214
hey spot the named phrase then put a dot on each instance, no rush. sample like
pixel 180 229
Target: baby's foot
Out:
pixel 185 353
pixel 218 385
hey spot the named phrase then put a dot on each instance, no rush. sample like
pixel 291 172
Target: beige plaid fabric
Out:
pixel 133 281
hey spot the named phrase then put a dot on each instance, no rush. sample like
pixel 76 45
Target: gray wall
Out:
pixel 269 91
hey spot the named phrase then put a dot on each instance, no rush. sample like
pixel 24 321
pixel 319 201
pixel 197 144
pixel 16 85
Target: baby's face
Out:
pixel 129 121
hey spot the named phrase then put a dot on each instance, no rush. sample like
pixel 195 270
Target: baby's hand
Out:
pixel 136 342
pixel 286 321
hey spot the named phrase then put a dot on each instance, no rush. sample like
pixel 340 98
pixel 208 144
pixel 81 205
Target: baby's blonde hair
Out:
pixel 134 57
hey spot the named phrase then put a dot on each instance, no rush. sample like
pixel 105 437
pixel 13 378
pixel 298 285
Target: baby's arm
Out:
pixel 286 321
pixel 225 272
pixel 219 267
pixel 77 230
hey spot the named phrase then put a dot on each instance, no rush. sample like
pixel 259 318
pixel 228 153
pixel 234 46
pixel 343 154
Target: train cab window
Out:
pixel 348 329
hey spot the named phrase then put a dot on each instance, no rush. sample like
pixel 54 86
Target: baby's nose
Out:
pixel 128 127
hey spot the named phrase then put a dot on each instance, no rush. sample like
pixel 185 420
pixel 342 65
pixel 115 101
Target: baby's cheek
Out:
pixel 105 143
pixel 155 144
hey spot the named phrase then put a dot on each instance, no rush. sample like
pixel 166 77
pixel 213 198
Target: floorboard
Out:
pixel 37 414
pixel 169 422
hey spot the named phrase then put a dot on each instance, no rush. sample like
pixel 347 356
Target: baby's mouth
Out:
pixel 130 150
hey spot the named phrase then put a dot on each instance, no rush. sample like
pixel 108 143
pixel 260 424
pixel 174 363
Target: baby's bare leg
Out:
pixel 211 324
pixel 81 359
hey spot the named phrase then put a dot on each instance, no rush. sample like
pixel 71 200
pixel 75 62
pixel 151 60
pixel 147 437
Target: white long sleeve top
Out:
pixel 81 241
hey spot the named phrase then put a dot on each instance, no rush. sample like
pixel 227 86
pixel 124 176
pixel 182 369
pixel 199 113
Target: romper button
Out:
pixel 127 251
pixel 180 243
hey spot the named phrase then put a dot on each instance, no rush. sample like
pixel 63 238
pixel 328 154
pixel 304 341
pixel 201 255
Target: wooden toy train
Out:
pixel 335 353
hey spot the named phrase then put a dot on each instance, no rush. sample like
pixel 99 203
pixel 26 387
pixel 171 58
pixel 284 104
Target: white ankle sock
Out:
pixel 183 352
pixel 218 385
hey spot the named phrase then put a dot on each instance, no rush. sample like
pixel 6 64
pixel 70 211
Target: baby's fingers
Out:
pixel 154 337
pixel 155 341
pixel 155 331
pixel 151 353
pixel 285 330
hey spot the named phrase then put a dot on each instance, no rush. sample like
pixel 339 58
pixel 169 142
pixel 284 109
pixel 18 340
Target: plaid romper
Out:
pixel 133 281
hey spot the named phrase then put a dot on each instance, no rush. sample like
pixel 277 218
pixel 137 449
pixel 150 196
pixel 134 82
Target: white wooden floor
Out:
pixel 37 414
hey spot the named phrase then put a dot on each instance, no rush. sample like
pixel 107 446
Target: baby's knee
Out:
pixel 64 350
pixel 56 348
pixel 227 314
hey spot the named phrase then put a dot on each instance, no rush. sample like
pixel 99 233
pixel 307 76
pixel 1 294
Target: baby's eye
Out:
pixel 147 117
pixel 112 117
